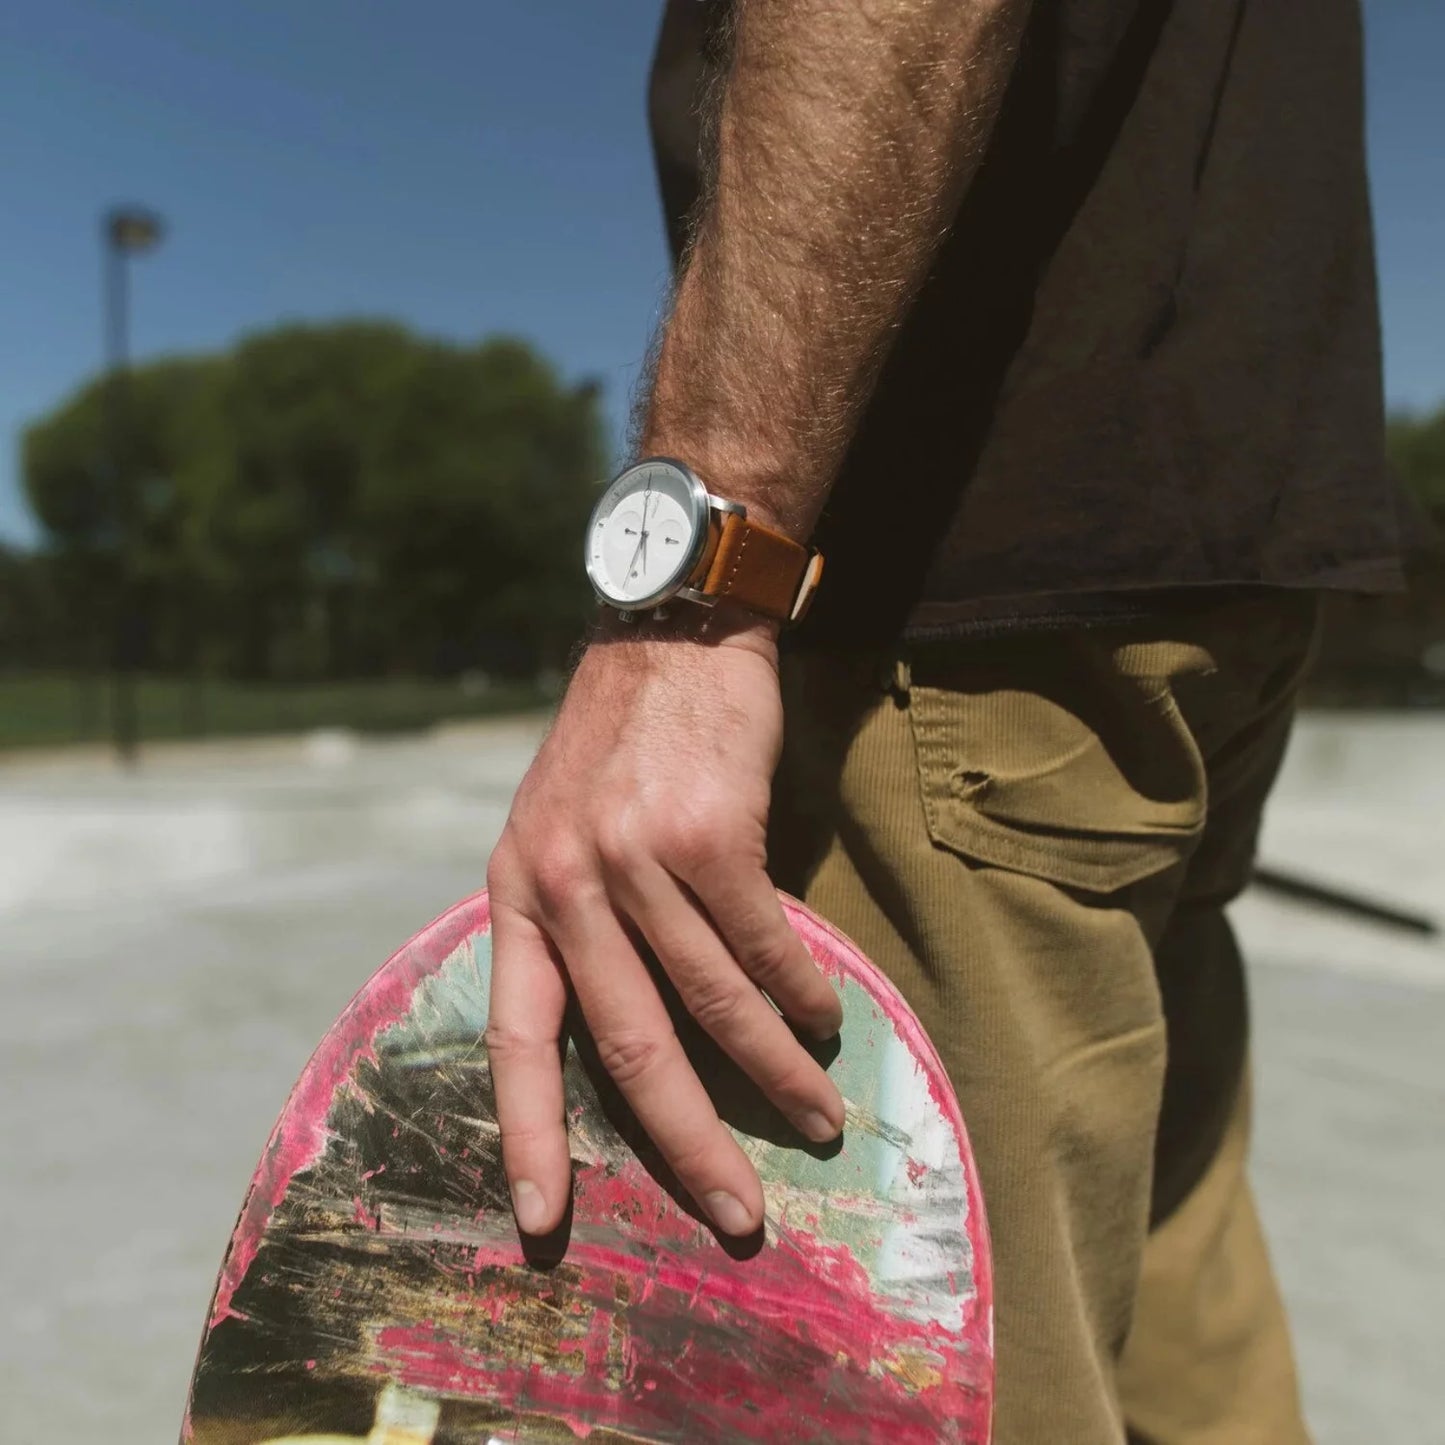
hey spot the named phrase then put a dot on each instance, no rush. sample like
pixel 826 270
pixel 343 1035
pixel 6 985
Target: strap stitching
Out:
pixel 737 560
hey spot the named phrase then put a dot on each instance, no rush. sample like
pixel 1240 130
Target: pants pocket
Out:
pixel 1092 785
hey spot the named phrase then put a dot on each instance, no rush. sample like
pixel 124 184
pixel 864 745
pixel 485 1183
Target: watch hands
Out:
pixel 641 533
pixel 644 536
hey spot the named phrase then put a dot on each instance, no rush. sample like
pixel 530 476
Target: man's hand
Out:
pixel 642 821
pixel 843 136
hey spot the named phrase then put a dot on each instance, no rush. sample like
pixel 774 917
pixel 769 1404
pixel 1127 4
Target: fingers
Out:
pixel 637 1046
pixel 635 1041
pixel 524 1024
pixel 739 896
pixel 721 997
pixel 572 907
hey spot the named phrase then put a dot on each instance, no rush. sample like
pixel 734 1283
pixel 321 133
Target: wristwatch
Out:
pixel 656 534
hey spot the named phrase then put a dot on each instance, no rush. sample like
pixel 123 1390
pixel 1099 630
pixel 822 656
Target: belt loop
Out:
pixel 894 675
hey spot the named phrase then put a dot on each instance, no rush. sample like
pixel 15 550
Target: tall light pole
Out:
pixel 125 231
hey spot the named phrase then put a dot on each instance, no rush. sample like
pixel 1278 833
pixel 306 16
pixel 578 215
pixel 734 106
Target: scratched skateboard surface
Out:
pixel 375 1290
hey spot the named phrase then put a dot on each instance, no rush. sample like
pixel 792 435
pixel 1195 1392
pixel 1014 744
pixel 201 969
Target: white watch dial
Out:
pixel 646 534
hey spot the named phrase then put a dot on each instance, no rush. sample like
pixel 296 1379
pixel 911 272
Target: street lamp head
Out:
pixel 132 228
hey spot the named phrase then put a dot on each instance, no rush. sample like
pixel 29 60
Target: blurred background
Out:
pixel 320 324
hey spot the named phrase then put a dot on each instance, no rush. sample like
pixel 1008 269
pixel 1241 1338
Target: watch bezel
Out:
pixel 699 505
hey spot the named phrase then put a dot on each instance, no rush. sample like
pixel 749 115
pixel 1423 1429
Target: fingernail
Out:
pixel 728 1213
pixel 529 1207
pixel 825 1027
pixel 818 1127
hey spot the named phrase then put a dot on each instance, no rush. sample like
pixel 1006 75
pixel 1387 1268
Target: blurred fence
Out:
pixel 351 525
pixel 60 709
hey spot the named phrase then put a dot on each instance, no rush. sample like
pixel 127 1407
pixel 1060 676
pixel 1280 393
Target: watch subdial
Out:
pixel 622 549
pixel 669 543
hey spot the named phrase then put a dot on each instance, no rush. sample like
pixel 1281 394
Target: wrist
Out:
pixel 685 624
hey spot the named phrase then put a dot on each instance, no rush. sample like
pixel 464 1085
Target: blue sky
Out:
pixel 466 165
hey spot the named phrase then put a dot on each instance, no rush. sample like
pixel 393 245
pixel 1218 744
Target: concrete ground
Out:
pixel 175 941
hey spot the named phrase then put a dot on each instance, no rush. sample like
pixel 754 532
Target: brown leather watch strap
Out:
pixel 761 570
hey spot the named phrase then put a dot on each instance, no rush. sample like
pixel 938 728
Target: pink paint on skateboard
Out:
pixel 375 1288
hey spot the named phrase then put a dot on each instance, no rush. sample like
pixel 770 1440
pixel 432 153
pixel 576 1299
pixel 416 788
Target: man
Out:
pixel 1054 327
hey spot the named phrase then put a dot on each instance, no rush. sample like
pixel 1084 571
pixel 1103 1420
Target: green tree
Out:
pixel 1385 650
pixel 107 476
pixel 330 499
pixel 1416 446
pixel 472 507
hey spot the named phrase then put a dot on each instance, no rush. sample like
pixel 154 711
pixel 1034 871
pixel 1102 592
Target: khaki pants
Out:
pixel 1035 836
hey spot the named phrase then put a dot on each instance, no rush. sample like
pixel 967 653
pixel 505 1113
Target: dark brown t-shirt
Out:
pixel 1147 357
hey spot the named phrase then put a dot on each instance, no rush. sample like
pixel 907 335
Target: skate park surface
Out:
pixel 176 938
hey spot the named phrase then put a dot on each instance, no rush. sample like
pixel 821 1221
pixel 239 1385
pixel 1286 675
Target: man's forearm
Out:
pixel 845 134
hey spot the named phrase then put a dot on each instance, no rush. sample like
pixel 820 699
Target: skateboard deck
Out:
pixel 375 1289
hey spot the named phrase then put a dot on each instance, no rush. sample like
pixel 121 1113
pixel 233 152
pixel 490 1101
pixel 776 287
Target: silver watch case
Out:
pixel 700 503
